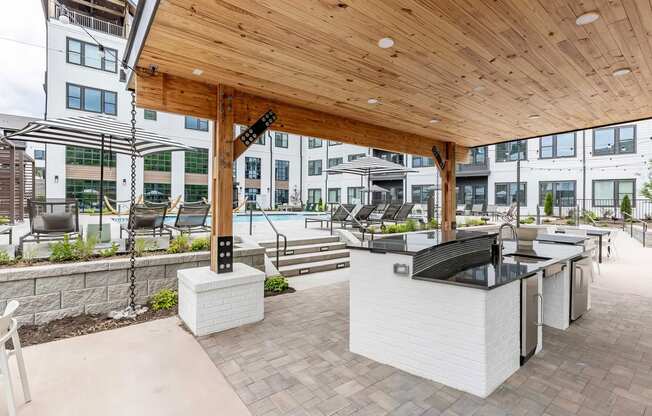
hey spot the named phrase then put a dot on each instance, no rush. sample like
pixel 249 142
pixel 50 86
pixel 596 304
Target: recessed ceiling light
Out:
pixel 587 18
pixel 372 101
pixel 478 88
pixel 534 116
pixel 620 72
pixel 197 71
pixel 434 120
pixel 386 43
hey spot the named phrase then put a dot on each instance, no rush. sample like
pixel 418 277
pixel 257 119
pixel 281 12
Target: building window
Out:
pixel 88 55
pixel 314 142
pixel 421 193
pixel 335 161
pixel 351 158
pixel 390 156
pixel 87 191
pixel 157 192
pixel 149 115
pixel 252 168
pixel 88 157
pixel 282 170
pixel 473 195
pixel 94 100
pixel 281 140
pixel 610 192
pixel 39 154
pixel 422 162
pixel 194 123
pixel 314 167
pixel 334 195
pixel 479 155
pixel 563 193
pixel 314 197
pixel 197 161
pixel 510 151
pixel 159 162
pixel 195 193
pixel 334 143
pixel 614 140
pixel 506 193
pixel 250 195
pixel 353 194
pixel 281 196
pixel 559 145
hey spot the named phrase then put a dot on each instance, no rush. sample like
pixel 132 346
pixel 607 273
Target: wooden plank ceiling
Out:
pixel 482 68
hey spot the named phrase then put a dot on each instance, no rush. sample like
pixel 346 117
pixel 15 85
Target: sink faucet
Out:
pixel 500 233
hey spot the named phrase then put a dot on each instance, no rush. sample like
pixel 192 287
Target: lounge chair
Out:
pixel 461 209
pixel 341 214
pixel 509 215
pixel 191 218
pixel 402 214
pixel 148 218
pixel 388 215
pixel 361 217
pixel 52 220
pixel 476 209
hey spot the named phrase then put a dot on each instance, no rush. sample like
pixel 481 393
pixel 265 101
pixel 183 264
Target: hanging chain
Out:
pixel 132 220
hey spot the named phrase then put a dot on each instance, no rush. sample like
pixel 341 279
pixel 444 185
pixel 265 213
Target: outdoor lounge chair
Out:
pixel 476 209
pixel 509 216
pixel 388 215
pixel 402 214
pixel 148 219
pixel 52 220
pixel 341 214
pixel 361 217
pixel 191 218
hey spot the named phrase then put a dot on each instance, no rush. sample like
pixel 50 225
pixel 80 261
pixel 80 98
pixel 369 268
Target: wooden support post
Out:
pixel 222 183
pixel 449 203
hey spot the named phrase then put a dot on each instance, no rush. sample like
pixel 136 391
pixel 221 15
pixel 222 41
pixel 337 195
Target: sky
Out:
pixel 22 47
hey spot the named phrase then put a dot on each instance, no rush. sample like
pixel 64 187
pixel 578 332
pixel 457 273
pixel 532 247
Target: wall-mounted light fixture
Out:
pixel 56 178
pixel 124 182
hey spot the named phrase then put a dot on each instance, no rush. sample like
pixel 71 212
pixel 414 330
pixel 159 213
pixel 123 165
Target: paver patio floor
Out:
pixel 297 362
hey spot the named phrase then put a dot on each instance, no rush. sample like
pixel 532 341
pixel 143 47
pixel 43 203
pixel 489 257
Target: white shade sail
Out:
pixel 369 165
pixel 87 131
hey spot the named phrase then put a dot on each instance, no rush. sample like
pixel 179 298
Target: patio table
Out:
pixel 594 233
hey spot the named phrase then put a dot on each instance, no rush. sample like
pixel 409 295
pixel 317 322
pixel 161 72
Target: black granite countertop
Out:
pixel 561 238
pixel 478 271
pixel 414 242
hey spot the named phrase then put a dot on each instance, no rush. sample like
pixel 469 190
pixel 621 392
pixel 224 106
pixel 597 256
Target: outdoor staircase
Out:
pixel 309 255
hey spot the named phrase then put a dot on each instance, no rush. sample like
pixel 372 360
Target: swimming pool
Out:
pixel 237 218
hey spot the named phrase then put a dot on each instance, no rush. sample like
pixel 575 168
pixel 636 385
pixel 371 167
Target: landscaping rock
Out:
pixel 128 313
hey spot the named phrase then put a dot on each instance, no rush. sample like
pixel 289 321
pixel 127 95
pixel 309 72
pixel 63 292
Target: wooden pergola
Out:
pixel 16 180
pixel 455 75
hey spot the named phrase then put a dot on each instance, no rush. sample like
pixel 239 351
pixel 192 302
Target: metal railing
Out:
pixel 278 234
pixel 362 228
pixel 632 220
pixel 90 22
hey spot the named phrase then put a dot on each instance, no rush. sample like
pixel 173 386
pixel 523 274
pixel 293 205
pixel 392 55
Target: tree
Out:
pixel 547 204
pixel 646 191
pixel 626 208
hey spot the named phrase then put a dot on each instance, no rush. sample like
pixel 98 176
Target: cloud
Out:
pixel 22 46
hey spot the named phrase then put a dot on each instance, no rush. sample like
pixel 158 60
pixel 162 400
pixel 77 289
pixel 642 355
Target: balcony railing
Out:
pixel 89 22
pixel 473 168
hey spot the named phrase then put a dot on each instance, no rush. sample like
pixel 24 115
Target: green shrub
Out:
pixel 432 224
pixel 63 250
pixel 410 225
pixel 528 220
pixel 590 216
pixel 5 259
pixel 111 251
pixel 4 220
pixel 276 284
pixel 141 245
pixel 180 244
pixel 390 229
pixel 164 299
pixel 570 221
pixel 626 208
pixel 85 249
pixel 472 222
pixel 547 204
pixel 201 244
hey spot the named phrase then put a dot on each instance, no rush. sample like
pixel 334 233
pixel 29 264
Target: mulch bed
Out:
pixel 269 293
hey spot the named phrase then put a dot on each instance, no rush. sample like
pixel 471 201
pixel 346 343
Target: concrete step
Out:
pixel 320 266
pixel 308 248
pixel 310 257
pixel 301 241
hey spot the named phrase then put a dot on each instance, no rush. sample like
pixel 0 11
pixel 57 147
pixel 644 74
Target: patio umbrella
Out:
pixel 92 131
pixel 367 166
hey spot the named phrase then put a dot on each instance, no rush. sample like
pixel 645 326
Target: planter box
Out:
pixel 53 291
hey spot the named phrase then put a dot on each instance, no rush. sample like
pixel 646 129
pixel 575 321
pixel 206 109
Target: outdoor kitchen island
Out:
pixel 457 318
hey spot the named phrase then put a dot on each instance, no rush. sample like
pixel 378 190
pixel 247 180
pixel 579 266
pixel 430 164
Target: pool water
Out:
pixel 237 218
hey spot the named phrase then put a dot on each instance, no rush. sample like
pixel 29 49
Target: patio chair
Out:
pixel 388 215
pixel 148 218
pixel 402 214
pixel 52 220
pixel 9 331
pixel 461 209
pixel 476 209
pixel 361 217
pixel 509 215
pixel 8 231
pixel 341 214
pixel 191 218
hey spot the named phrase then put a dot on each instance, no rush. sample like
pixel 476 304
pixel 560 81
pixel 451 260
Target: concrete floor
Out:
pixel 155 368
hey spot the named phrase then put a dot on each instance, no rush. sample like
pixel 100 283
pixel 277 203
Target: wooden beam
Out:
pixel 101 8
pixel 449 203
pixel 168 93
pixel 222 184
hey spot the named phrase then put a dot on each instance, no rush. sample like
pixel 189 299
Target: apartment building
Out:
pixel 599 165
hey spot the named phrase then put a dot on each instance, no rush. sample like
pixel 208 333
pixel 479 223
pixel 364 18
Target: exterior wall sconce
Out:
pixel 56 178
pixel 124 182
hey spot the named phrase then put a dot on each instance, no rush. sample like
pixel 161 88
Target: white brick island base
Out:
pixel 465 338
pixel 211 302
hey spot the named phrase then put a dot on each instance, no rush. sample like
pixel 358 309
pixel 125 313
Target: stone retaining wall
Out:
pixel 55 291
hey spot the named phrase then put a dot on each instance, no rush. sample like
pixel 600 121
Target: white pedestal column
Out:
pixel 211 302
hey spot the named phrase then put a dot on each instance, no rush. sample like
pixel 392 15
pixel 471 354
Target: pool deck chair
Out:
pixel 361 217
pixel 191 218
pixel 402 214
pixel 388 215
pixel 52 221
pixel 341 214
pixel 148 219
